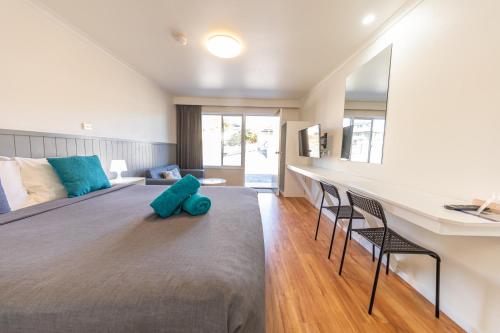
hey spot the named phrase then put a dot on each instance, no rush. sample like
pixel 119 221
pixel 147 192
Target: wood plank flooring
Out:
pixel 304 292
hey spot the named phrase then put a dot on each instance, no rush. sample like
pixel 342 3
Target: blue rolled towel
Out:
pixel 170 201
pixel 197 204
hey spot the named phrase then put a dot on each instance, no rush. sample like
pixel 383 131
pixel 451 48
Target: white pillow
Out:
pixel 176 173
pixel 5 158
pixel 10 175
pixel 40 180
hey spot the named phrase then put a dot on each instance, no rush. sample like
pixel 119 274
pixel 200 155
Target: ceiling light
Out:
pixel 224 46
pixel 368 19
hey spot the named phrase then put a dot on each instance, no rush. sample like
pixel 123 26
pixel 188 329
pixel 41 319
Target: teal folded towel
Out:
pixel 170 201
pixel 197 204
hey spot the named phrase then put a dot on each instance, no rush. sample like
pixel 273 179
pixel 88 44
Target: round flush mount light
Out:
pixel 223 46
pixel 368 19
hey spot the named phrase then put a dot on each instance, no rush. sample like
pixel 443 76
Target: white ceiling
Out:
pixel 289 45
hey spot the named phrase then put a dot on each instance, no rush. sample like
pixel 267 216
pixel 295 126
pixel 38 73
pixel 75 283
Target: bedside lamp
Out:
pixel 118 166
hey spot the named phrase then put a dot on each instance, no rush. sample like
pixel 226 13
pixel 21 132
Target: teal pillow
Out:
pixel 80 174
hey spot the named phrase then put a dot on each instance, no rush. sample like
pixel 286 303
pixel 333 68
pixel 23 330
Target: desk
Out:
pixel 420 208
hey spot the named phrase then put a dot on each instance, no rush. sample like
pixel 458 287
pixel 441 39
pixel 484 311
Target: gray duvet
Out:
pixel 105 263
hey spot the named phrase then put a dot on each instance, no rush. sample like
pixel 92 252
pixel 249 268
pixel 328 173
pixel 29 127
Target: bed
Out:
pixel 104 263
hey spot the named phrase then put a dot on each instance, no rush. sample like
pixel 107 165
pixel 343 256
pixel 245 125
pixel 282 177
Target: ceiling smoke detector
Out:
pixel 180 37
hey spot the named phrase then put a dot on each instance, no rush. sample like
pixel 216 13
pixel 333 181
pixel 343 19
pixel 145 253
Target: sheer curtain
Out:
pixel 189 133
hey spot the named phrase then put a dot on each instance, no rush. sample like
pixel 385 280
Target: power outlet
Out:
pixel 87 126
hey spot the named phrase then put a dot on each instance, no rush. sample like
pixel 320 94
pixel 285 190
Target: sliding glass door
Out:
pixel 261 151
pixel 244 147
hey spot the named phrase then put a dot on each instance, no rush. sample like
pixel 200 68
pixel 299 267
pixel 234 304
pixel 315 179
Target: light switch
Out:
pixel 87 126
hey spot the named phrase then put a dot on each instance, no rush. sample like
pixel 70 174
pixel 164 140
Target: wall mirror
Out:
pixel 365 110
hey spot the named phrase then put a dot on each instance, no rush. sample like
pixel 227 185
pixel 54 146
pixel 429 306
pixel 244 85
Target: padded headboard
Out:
pixel 139 155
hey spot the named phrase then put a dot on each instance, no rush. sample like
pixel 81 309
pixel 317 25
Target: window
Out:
pixel 367 139
pixel 222 140
pixel 212 139
pixel 231 149
pixel 378 127
pixel 361 135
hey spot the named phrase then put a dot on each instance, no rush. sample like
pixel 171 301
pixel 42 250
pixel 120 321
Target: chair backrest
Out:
pixel 330 189
pixel 369 205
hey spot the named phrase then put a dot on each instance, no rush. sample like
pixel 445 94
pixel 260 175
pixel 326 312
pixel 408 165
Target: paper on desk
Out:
pixel 490 216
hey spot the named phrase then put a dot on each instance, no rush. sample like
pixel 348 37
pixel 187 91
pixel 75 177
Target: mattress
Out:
pixel 105 263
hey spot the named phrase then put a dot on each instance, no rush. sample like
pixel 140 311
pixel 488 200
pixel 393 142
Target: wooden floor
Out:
pixel 304 292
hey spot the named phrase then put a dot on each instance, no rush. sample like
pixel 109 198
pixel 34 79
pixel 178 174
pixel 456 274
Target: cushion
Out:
pixel 171 175
pixel 10 176
pixel 4 203
pixel 176 173
pixel 80 174
pixel 40 180
pixel 156 172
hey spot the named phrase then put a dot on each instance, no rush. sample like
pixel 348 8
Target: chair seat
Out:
pixel 345 212
pixel 394 243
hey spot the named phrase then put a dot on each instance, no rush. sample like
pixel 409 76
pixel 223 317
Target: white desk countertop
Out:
pixel 423 209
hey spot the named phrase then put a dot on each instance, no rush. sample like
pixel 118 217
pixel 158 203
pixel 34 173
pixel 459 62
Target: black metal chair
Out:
pixel 340 212
pixel 387 240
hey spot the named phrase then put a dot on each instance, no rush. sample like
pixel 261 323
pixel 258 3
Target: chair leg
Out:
pixel 373 252
pixel 345 245
pixel 438 264
pixel 387 263
pixel 333 237
pixel 319 216
pixel 375 282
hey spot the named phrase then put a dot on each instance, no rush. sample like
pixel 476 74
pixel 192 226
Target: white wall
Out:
pixel 53 79
pixel 234 176
pixel 442 136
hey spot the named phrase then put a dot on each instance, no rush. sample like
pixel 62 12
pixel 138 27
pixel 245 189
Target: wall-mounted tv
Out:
pixel 309 142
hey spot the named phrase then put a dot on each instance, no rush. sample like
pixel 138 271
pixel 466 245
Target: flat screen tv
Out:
pixel 309 142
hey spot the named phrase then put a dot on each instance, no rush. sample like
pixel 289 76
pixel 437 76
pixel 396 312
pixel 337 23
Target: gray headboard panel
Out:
pixel 139 155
